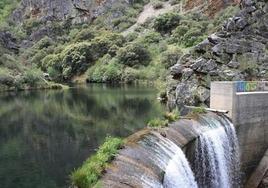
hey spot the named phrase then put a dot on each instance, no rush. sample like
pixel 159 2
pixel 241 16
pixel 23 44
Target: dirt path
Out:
pixel 149 12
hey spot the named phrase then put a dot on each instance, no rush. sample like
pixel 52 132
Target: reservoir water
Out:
pixel 44 135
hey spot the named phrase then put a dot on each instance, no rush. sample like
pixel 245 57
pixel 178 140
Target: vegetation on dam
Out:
pixel 92 169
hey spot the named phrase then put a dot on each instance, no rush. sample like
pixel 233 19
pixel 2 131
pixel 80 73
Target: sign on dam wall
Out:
pixel 251 86
pixel 247 105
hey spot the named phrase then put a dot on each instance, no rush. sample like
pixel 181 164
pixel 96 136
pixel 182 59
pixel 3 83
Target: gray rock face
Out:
pixel 237 52
pixel 78 11
pixel 8 41
pixel 204 66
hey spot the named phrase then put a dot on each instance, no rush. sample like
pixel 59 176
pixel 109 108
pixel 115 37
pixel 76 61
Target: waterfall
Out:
pixel 171 159
pixel 216 161
pixel 178 172
pixel 154 158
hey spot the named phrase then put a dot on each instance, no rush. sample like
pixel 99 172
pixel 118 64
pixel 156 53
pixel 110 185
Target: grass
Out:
pixel 168 117
pixel 157 123
pixel 89 173
pixel 199 110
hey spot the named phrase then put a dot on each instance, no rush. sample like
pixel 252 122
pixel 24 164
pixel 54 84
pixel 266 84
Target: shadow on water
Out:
pixel 44 135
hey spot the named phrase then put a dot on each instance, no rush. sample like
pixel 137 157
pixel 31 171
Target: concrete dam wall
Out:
pixel 247 103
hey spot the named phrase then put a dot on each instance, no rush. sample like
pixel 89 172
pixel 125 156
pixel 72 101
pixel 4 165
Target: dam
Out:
pixel 211 149
pixel 247 103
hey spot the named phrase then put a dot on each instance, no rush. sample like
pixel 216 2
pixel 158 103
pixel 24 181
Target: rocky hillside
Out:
pixel 75 40
pixel 238 51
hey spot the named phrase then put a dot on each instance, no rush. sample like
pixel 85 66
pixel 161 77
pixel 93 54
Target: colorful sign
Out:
pixel 251 86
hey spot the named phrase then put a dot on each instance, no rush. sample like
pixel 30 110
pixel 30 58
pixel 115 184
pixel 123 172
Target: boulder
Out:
pixel 233 64
pixel 204 66
pixel 176 70
pixel 185 93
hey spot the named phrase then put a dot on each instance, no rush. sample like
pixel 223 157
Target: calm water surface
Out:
pixel 44 135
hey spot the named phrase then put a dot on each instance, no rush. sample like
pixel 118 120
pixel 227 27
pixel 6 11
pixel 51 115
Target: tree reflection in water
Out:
pixel 44 135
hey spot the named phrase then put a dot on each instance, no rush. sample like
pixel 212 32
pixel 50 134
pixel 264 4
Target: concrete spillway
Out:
pixel 155 158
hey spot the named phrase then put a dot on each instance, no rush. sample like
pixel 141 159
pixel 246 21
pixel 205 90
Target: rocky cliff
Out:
pixel 238 51
pixel 77 10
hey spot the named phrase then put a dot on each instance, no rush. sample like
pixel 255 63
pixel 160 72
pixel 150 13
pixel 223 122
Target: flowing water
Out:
pixel 153 160
pixel 216 158
pixel 44 135
pixel 178 172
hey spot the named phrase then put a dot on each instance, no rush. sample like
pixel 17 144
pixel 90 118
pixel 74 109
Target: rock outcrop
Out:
pixel 238 51
pixel 8 41
pixel 79 11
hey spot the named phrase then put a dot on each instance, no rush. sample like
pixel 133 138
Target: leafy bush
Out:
pixel 171 57
pixel 133 54
pixel 105 70
pixel 6 7
pixel 152 37
pixel 44 43
pixel 38 57
pixel 130 75
pixel 75 59
pixel 84 35
pixel 6 78
pixel 112 72
pixel 157 4
pixel 172 116
pixel 192 37
pixel 10 62
pixel 92 169
pixel 165 23
pixel 32 77
pixel 30 24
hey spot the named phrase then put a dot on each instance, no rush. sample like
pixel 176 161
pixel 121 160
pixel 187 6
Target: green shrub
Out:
pixel 157 123
pixel 10 62
pixel 30 24
pixel 179 32
pixel 92 169
pixel 172 116
pixel 152 37
pixel 32 77
pixel 131 36
pixel 157 4
pixel 165 23
pixel 6 7
pixel 84 35
pixel 5 77
pixel 130 75
pixel 73 60
pixel 106 70
pixel 44 43
pixel 171 57
pixel 38 57
pixel 199 110
pixel 133 54
pixel 48 61
pixel 112 72
pixel 192 37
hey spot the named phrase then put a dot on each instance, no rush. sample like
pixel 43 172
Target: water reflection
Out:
pixel 44 135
